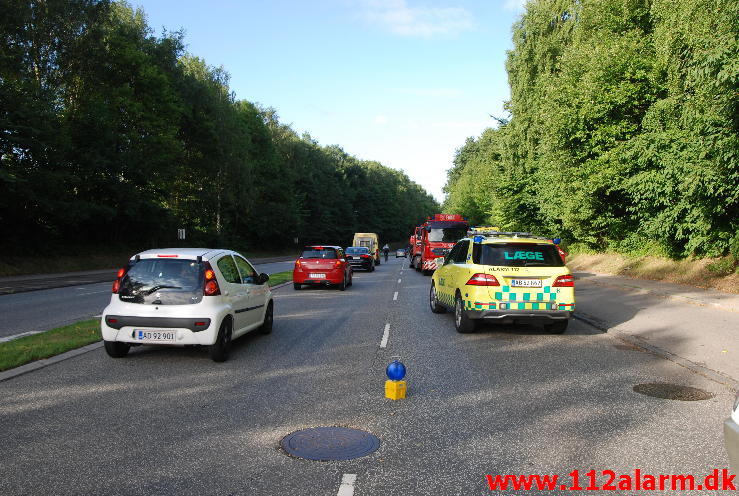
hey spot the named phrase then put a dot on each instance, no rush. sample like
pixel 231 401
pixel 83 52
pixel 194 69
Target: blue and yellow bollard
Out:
pixel 395 385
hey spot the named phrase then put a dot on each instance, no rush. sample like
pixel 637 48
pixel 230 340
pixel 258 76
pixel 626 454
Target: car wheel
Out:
pixel 342 286
pixel 436 307
pixel 116 349
pixel 417 263
pixel 372 267
pixel 462 322
pixel 427 272
pixel 218 351
pixel 351 278
pixel 557 327
pixel 297 286
pixel 266 327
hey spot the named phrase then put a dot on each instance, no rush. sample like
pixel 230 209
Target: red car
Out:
pixel 324 265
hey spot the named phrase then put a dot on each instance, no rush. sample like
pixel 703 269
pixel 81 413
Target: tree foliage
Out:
pixel 624 127
pixel 110 134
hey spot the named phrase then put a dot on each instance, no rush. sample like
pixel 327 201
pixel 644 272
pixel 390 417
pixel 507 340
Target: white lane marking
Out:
pixel 16 336
pixel 395 296
pixel 399 281
pixel 94 292
pixel 385 336
pixel 347 485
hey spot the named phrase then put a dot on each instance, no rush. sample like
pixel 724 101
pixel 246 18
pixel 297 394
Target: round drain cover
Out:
pixel 668 391
pixel 329 443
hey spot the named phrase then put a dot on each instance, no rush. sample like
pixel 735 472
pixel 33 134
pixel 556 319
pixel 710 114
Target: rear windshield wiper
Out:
pixel 157 288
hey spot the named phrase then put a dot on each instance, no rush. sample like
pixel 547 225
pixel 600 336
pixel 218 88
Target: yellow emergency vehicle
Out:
pixel 505 277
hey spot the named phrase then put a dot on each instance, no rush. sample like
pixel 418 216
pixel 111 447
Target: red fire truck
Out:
pixel 434 238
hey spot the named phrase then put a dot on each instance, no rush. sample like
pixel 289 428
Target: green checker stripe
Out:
pixel 507 295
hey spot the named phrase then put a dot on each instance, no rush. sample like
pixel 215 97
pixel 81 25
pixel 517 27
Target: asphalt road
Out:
pixel 511 400
pixel 45 309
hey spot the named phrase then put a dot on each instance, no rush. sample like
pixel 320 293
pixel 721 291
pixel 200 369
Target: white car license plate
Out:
pixel 526 283
pixel 317 276
pixel 156 336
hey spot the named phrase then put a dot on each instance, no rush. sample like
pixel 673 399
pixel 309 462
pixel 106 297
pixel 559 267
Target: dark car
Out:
pixel 322 265
pixel 360 258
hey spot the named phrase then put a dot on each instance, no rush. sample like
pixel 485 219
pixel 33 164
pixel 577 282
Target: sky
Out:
pixel 401 82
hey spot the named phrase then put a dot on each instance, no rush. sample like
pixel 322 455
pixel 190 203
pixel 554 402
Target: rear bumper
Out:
pixel 519 314
pixel 332 277
pixel 127 333
pixel 731 441
pixel 361 265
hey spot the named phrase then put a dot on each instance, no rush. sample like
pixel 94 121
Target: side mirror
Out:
pixel 262 278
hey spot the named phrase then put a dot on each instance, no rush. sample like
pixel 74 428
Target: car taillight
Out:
pixel 297 263
pixel 564 282
pixel 211 284
pixel 366 256
pixel 338 263
pixel 481 279
pixel 117 283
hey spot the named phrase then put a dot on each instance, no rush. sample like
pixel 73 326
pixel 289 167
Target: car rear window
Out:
pixel 154 281
pixel 517 255
pixel 319 253
pixel 357 250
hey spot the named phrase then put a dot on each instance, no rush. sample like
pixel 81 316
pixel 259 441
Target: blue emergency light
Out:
pixel 395 371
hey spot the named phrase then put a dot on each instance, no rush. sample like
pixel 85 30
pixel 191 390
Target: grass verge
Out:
pixel 47 344
pixel 702 273
pixel 280 277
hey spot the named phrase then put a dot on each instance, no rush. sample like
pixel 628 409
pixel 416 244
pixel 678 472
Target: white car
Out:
pixel 731 437
pixel 186 296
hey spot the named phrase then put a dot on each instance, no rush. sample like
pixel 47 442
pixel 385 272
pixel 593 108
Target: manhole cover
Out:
pixel 329 443
pixel 672 391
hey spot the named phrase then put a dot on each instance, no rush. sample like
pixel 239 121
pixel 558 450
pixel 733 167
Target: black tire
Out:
pixel 116 349
pixel 372 268
pixel 462 322
pixel 417 263
pixel 557 327
pixel 218 351
pixel 427 272
pixel 268 321
pixel 342 286
pixel 436 307
pixel 297 286
pixel 351 278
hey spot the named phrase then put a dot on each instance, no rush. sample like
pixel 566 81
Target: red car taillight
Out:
pixel 365 256
pixel 564 282
pixel 481 279
pixel 338 263
pixel 210 288
pixel 297 264
pixel 117 283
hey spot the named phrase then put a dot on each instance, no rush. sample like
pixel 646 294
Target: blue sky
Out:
pixel 403 82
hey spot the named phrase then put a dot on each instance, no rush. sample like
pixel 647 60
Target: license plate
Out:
pixel 317 276
pixel 526 283
pixel 156 336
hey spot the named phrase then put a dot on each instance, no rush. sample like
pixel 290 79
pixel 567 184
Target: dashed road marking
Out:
pixel 395 296
pixel 385 336
pixel 399 281
pixel 347 485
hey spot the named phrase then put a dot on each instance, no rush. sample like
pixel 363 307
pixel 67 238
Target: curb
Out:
pixel 713 375
pixel 40 364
